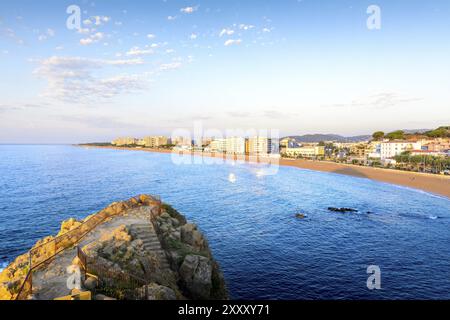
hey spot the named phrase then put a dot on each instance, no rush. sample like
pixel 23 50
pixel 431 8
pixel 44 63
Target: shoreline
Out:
pixel 435 184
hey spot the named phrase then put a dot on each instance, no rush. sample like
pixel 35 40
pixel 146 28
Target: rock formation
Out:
pixel 142 250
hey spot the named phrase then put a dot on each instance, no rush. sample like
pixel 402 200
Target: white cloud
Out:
pixel 266 30
pixel 87 22
pixel 51 32
pixel 231 42
pixel 84 30
pixel 170 66
pixel 188 10
pixel 227 32
pixel 193 36
pixel 246 27
pixel 74 78
pixel 383 100
pixel 48 34
pixel 151 36
pixel 170 18
pixel 99 20
pixel 86 41
pixel 136 51
pixel 93 38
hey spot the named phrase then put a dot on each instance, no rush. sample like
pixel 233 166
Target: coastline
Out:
pixel 436 184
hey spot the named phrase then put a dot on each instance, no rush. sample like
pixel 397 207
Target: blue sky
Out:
pixel 149 67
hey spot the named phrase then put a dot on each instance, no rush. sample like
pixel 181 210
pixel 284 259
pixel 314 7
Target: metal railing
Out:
pixel 116 284
pixel 48 250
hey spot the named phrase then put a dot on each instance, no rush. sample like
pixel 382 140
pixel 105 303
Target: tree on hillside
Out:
pixel 396 135
pixel 441 132
pixel 377 136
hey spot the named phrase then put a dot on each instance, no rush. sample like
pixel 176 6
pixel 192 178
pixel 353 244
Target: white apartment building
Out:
pixel 218 146
pixel 235 145
pixel 306 151
pixel 154 142
pixel 259 145
pixel 390 149
pixel 181 141
pixel 374 150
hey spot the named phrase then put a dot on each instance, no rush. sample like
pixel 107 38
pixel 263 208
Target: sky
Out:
pixel 137 68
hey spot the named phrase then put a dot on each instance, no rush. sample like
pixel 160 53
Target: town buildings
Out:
pixel 258 145
pixel 312 151
pixel 390 149
pixel 154 142
pixel 125 141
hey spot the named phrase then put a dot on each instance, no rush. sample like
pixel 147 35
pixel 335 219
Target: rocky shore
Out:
pixel 144 250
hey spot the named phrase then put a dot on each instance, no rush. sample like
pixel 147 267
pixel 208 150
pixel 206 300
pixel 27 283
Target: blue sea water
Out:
pixel 264 251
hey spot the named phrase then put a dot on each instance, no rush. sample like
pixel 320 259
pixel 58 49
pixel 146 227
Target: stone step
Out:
pixel 152 248
pixel 149 241
pixel 149 234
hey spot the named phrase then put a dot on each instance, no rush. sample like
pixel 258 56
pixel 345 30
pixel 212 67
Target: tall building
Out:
pixel 235 145
pixel 258 145
pixel 390 149
pixel 124 141
pixel 218 146
pixel 181 141
pixel 155 142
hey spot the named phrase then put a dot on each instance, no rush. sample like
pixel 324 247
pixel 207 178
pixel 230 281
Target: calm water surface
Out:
pixel 264 251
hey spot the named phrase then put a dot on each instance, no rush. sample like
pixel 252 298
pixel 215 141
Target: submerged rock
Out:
pixel 342 210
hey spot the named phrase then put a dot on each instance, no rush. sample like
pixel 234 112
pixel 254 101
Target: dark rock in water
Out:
pixel 343 210
pixel 300 216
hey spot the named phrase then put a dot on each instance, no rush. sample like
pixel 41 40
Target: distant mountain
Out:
pixel 414 131
pixel 329 137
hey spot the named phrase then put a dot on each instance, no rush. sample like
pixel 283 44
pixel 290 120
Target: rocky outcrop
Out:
pixel 139 251
pixel 187 249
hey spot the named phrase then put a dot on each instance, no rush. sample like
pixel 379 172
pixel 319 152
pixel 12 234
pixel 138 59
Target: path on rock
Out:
pixel 50 282
pixel 147 234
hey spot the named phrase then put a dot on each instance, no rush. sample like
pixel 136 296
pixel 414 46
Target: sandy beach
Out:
pixel 437 184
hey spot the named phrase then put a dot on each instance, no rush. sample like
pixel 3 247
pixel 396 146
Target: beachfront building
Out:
pixel 359 150
pixel 181 141
pixel 235 145
pixel 258 145
pixel 306 152
pixel 125 141
pixel 218 146
pixel 428 153
pixel 154 141
pixel 390 149
pixel 374 150
pixel 437 145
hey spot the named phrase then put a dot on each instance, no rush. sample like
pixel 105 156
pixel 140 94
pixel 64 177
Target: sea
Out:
pixel 248 214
